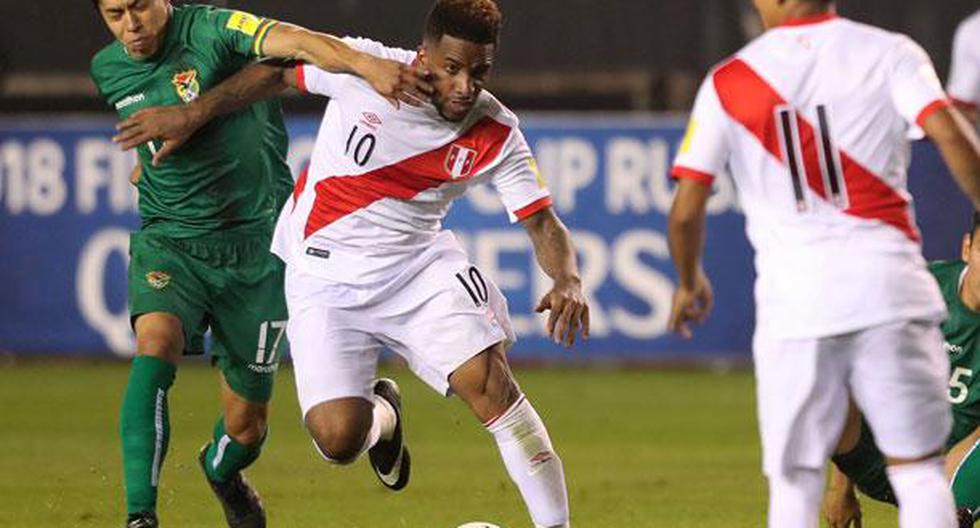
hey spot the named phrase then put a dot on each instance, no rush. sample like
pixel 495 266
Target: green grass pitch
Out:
pixel 671 449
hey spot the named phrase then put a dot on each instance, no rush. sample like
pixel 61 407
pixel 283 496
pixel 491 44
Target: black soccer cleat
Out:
pixel 389 458
pixel 965 517
pixel 142 520
pixel 242 505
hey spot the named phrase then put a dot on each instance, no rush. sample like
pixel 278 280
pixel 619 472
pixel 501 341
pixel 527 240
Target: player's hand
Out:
pixel 173 125
pixel 136 174
pixel 842 508
pixel 691 306
pixel 398 82
pixel 569 311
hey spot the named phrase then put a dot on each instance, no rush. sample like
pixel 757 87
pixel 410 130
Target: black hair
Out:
pixel 976 223
pixel 476 21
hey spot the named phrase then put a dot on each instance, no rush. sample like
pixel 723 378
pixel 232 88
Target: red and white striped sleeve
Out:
pixel 915 87
pixel 517 180
pixel 705 149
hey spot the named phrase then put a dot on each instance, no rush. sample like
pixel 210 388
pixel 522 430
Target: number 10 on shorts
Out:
pixel 269 341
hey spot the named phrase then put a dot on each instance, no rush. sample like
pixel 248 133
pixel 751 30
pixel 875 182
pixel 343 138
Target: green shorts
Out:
pixel 229 283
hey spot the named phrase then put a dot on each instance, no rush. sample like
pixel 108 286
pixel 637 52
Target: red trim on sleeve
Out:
pixel 687 173
pixel 807 20
pixel 932 108
pixel 533 208
pixel 964 104
pixel 301 77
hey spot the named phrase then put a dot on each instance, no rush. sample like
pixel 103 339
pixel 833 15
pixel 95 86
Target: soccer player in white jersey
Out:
pixel 369 265
pixel 964 76
pixel 812 120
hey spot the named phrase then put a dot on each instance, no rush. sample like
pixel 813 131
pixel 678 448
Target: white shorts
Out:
pixel 444 312
pixel 896 373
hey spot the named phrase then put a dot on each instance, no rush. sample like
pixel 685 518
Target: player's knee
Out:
pixel 247 431
pixel 160 336
pixel 339 436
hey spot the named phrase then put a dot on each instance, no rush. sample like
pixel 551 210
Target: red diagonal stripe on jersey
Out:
pixel 340 196
pixel 752 102
pixel 300 185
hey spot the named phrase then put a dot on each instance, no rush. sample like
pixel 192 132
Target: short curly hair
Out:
pixel 476 21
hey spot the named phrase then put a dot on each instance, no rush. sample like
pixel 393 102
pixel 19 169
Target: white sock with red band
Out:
pixel 532 463
pixel 924 497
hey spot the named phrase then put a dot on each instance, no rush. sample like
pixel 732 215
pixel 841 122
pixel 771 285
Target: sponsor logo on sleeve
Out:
pixel 187 85
pixel 692 128
pixel 131 100
pixel 243 22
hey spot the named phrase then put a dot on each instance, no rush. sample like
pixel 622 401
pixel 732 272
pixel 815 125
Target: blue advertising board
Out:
pixel 66 208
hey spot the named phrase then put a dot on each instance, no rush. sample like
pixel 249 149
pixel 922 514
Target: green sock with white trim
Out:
pixel 225 456
pixel 145 429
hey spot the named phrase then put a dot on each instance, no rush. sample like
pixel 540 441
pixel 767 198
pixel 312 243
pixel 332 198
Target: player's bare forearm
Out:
pixel 686 227
pixel 253 83
pixel 327 52
pixel 569 310
pixel 841 506
pixel 694 298
pixel 960 148
pixel 553 246
pixel 391 79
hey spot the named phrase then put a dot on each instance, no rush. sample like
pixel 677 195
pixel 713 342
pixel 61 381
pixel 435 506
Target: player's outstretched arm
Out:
pixel 174 125
pixel 840 505
pixel 569 311
pixel 694 297
pixel 393 80
pixel 960 147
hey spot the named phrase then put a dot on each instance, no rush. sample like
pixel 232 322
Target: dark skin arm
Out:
pixel 556 255
pixel 174 125
pixel 694 297
pixel 960 148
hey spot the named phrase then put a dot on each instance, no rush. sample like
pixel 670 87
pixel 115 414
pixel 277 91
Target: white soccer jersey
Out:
pixel 381 179
pixel 964 77
pixel 813 118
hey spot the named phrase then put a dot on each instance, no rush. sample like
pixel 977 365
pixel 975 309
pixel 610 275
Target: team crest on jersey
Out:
pixel 460 161
pixel 158 279
pixel 188 88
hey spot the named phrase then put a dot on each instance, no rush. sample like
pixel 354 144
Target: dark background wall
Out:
pixel 665 43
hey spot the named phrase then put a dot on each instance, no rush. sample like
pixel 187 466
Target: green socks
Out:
pixel 145 429
pixel 225 456
pixel 966 480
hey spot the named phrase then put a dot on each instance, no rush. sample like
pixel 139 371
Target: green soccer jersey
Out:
pixel 961 334
pixel 232 174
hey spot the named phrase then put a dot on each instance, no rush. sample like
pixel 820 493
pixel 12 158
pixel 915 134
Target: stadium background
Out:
pixel 602 88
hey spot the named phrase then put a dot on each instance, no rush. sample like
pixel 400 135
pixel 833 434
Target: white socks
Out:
pixel 532 463
pixel 924 497
pixel 794 499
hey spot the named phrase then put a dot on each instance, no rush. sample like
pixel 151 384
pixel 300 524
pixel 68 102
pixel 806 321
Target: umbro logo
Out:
pixel 952 349
pixel 371 120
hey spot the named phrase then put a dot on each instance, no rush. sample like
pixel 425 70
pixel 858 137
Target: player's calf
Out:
pixel 488 387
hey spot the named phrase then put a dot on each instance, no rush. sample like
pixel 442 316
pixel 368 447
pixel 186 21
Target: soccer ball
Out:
pixel 478 524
